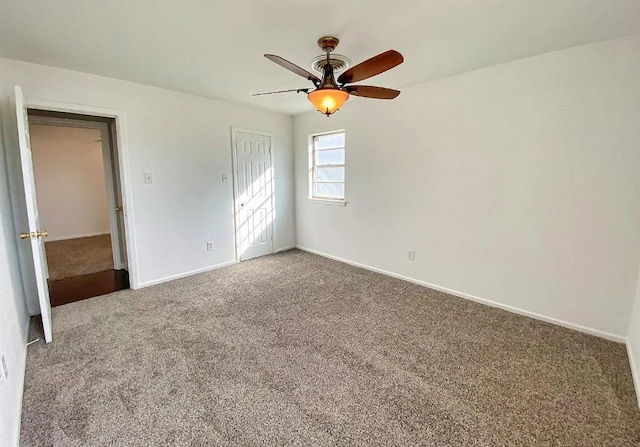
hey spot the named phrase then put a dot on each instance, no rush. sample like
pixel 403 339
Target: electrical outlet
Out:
pixel 225 179
pixel 411 256
pixel 210 246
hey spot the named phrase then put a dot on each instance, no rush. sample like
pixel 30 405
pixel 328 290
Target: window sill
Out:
pixel 328 202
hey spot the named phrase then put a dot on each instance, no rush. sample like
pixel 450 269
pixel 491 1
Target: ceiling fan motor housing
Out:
pixel 328 43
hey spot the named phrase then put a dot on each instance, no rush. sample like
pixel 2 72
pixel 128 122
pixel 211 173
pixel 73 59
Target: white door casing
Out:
pixel 253 186
pixel 120 154
pixel 34 231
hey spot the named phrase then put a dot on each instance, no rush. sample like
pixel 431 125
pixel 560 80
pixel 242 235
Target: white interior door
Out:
pixel 254 195
pixel 35 234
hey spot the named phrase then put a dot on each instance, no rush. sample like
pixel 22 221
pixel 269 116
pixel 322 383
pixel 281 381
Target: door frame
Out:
pixel 109 179
pixel 234 174
pixel 122 150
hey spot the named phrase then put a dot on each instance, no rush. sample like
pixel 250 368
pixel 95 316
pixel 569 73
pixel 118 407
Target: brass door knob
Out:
pixel 118 208
pixel 34 234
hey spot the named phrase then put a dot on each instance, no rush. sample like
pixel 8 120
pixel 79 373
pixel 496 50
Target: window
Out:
pixel 327 166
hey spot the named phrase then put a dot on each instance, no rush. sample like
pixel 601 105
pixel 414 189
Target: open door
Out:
pixel 34 235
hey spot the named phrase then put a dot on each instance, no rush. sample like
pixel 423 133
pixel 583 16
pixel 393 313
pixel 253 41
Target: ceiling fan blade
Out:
pixel 293 67
pixel 369 91
pixel 371 67
pixel 297 90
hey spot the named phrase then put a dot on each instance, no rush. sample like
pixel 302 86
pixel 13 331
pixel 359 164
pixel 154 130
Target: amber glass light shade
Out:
pixel 328 100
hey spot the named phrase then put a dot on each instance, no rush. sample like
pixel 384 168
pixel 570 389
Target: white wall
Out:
pixel 185 142
pixel 14 318
pixel 515 183
pixel 69 171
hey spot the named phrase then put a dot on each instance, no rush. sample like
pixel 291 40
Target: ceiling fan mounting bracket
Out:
pixel 339 63
pixel 328 43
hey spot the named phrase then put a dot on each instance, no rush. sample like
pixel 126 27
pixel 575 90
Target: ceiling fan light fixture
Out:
pixel 328 100
pixel 329 94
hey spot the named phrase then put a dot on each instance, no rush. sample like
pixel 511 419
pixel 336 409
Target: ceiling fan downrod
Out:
pixel 328 44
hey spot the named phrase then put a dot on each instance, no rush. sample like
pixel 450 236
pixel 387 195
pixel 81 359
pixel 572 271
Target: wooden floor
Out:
pixel 76 288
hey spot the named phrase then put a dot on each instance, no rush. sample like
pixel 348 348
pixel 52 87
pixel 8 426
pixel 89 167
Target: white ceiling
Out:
pixel 214 48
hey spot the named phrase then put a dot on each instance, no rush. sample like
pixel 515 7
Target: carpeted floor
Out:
pixel 81 256
pixel 297 350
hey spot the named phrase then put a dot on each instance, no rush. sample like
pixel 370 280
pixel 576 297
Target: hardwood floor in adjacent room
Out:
pixel 76 288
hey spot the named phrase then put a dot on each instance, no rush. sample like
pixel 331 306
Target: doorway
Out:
pixel 79 204
pixel 253 189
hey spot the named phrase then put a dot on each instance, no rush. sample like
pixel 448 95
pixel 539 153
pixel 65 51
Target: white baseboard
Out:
pixel 290 247
pixel 634 372
pixel 77 236
pixel 185 274
pixel 526 313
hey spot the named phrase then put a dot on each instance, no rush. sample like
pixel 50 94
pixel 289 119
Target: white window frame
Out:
pixel 312 166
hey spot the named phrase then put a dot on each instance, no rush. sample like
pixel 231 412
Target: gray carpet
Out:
pixel 298 350
pixel 80 256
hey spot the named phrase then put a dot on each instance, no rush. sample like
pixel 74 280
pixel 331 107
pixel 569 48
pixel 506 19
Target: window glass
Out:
pixel 328 166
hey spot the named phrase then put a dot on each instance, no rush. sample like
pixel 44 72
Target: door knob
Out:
pixel 118 208
pixel 34 234
pixel 242 204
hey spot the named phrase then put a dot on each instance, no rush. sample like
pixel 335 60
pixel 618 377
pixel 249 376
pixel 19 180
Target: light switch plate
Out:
pixel 148 178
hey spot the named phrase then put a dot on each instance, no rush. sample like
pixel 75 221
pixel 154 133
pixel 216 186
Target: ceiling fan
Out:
pixel 330 94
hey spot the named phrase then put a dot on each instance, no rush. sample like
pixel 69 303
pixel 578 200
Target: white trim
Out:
pixel 311 166
pixel 123 161
pixel 279 250
pixel 635 374
pixel 526 313
pixel 79 236
pixel 184 275
pixel 262 133
pixel 327 201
